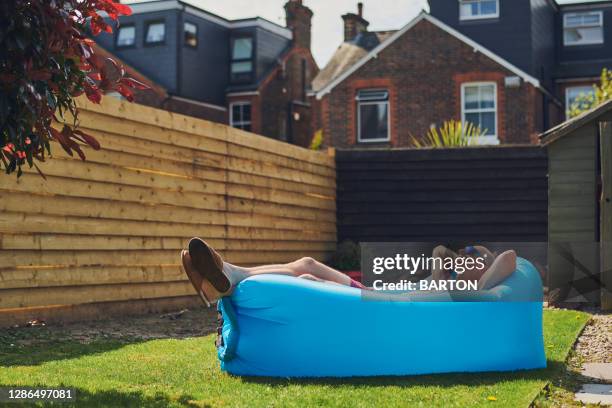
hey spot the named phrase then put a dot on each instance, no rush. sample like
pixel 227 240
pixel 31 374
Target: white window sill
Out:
pixel 578 44
pixel 373 140
pixel 487 140
pixel 484 17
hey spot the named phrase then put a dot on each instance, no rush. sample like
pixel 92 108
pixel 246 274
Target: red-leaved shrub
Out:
pixel 46 60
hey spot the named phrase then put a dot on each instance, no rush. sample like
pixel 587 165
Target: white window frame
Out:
pixel 240 123
pixel 480 16
pixel 124 27
pixel 567 92
pixel 578 43
pixel 359 103
pixel 148 26
pixel 488 139
pixel 243 76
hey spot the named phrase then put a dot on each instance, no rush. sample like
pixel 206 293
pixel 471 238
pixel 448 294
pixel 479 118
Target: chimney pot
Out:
pixel 354 23
pixel 299 20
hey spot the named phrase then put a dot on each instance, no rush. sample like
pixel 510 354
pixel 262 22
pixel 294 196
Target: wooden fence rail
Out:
pixel 108 231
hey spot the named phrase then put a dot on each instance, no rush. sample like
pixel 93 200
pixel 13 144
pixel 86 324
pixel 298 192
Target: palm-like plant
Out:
pixel 453 133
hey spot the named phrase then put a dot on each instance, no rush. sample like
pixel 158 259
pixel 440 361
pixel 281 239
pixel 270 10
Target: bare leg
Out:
pixel 303 266
pixel 308 276
pixel 267 267
pixel 310 266
pixel 209 274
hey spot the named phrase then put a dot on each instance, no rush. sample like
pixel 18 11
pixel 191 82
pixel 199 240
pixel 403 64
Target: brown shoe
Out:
pixel 208 294
pixel 209 264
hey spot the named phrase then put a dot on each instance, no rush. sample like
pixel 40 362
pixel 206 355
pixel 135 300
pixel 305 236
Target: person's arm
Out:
pixel 438 274
pixel 503 266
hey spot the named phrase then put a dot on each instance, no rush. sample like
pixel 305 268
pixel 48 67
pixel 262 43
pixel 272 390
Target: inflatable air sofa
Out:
pixel 281 326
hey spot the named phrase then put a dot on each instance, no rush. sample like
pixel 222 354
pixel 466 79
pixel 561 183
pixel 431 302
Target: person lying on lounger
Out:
pixel 495 270
pixel 214 278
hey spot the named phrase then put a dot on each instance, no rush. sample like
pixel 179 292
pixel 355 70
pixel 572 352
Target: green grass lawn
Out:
pixel 179 373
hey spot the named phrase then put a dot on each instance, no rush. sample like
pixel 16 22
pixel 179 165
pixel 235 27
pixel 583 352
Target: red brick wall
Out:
pixel 301 129
pixel 423 71
pixel 320 117
pixel 282 98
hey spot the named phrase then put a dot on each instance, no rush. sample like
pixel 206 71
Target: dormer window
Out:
pixel 242 59
pixel 478 9
pixel 583 28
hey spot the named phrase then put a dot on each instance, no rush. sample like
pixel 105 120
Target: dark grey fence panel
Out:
pixel 476 194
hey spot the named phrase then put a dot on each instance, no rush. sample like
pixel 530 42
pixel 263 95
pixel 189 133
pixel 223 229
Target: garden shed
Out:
pixel 579 207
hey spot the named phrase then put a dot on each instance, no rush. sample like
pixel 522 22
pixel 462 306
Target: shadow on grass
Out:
pixel 438 380
pixel 15 355
pixel 112 398
pixel 61 350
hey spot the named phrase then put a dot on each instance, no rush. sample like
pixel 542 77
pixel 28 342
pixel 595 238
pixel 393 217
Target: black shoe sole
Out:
pixel 203 261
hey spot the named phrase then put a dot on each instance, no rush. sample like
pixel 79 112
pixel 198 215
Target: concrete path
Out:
pixel 595 394
pixel 598 371
pixel 595 347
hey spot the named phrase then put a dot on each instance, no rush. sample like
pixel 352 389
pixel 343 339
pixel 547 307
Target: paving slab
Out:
pixel 599 371
pixel 595 394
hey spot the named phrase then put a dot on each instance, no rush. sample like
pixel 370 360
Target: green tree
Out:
pixel 601 93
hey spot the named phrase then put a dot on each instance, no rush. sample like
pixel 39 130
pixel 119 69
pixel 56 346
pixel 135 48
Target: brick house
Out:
pixel 382 88
pixel 565 46
pixel 250 73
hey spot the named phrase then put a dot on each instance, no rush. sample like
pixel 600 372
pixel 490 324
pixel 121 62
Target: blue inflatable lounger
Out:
pixel 281 326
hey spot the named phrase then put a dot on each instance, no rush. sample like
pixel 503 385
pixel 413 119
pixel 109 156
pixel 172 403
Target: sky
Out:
pixel 327 29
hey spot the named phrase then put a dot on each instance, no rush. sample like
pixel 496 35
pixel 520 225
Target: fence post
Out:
pixel 606 214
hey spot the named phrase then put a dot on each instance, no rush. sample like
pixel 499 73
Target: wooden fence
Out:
pixel 105 234
pixel 476 194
